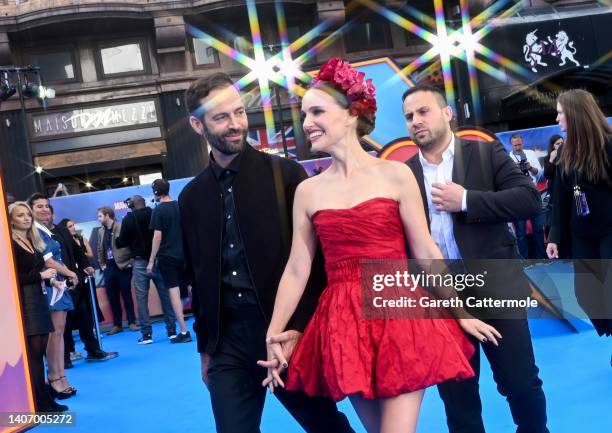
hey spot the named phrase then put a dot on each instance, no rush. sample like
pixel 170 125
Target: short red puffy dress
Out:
pixel 342 352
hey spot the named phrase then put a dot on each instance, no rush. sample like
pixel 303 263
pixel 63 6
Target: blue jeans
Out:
pixel 538 238
pixel 142 281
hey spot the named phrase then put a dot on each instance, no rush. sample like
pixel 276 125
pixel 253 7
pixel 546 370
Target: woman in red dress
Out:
pixel 361 208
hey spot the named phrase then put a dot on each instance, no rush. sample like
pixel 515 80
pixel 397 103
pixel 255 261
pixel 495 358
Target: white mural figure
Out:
pixel 533 50
pixel 561 44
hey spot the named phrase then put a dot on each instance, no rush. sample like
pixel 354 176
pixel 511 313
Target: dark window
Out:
pixel 368 33
pixel 55 66
pixel 293 32
pixel 129 57
pixel 423 15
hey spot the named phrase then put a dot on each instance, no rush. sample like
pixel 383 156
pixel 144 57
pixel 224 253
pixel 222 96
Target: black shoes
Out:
pixel 100 356
pixel 182 338
pixel 63 394
pixel 53 407
pixel 145 339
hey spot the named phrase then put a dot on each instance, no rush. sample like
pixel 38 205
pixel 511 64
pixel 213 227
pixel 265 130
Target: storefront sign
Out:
pixel 94 119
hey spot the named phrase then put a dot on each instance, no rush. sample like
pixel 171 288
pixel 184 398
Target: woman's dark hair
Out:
pixel 551 142
pixel 365 125
pixel 64 222
pixel 584 150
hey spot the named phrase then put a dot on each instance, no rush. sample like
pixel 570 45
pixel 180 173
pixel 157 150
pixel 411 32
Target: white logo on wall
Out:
pixel 560 47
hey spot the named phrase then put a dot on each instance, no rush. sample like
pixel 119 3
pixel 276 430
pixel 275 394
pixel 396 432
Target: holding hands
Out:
pixel 280 349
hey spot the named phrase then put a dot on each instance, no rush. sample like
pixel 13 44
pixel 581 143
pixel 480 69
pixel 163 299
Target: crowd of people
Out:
pixel 56 266
pixel 275 264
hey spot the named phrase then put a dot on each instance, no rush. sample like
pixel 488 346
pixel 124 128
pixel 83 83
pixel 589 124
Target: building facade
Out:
pixel 120 70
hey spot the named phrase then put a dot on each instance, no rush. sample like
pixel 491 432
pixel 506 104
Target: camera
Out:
pixel 524 166
pixel 129 202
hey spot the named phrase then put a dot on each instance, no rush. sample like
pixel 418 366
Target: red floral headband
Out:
pixel 360 93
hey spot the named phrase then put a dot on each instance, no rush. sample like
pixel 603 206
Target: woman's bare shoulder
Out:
pixel 307 188
pixel 395 170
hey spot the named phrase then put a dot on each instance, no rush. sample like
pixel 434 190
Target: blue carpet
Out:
pixel 157 388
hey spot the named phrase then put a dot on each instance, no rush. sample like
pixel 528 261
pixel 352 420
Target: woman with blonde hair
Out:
pixel 583 198
pixel 33 284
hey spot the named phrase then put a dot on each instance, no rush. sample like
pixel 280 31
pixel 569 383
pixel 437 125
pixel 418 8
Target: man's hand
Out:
pixel 533 170
pixel 447 197
pixel 149 268
pixel 89 270
pixel 204 361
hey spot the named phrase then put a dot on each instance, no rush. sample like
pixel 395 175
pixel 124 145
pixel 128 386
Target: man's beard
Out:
pixel 222 145
pixel 430 141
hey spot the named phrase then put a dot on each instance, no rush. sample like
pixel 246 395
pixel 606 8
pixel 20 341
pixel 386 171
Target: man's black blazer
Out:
pixel 497 192
pixel 261 225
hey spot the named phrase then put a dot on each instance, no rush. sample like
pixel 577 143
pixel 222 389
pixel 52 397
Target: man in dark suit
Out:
pixel 236 218
pixel 470 190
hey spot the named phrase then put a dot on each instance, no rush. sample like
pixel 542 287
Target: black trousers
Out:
pixel 593 279
pixel 81 318
pixel 119 283
pixel 234 381
pixel 516 375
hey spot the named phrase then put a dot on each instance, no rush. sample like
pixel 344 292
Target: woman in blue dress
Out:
pixel 60 301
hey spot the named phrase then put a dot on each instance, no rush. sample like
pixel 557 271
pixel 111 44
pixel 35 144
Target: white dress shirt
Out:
pixel 533 160
pixel 441 222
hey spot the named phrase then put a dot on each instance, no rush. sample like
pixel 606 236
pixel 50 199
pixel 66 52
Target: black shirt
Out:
pixel 166 218
pixel 107 245
pixel 29 265
pixel 599 201
pixel 136 234
pixel 236 279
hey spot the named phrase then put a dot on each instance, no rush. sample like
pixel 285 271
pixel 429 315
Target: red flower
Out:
pixel 360 92
pixel 326 73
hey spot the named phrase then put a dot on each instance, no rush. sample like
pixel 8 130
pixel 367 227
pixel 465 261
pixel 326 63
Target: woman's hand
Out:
pixel 553 155
pixel 47 274
pixel 552 250
pixel 480 330
pixel 275 364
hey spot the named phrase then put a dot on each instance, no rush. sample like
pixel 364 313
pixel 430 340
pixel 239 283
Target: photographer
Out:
pixel 136 235
pixel 529 165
